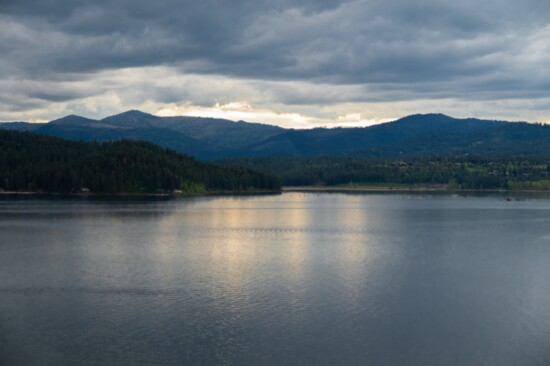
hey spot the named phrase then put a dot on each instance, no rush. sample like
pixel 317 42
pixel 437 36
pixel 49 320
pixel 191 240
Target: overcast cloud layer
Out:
pixel 293 63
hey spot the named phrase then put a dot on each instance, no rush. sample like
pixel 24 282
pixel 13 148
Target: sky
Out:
pixel 299 63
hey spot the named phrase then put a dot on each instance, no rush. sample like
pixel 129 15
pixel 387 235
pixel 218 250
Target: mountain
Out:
pixel 73 120
pixel 31 162
pixel 210 138
pixel 131 119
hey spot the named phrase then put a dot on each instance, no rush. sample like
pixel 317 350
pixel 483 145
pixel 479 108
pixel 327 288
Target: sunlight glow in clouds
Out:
pixel 237 111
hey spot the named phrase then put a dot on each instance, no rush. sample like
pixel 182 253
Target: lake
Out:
pixel 291 279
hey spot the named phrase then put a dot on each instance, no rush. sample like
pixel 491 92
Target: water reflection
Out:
pixel 290 279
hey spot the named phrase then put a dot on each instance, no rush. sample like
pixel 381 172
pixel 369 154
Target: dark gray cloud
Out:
pixel 391 50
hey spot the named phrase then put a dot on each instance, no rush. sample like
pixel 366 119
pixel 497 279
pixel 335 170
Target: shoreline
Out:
pixel 360 189
pixel 138 195
pixel 399 189
pixel 284 189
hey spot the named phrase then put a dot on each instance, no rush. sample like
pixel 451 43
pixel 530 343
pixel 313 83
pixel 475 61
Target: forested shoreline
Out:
pixel 44 164
pixel 466 172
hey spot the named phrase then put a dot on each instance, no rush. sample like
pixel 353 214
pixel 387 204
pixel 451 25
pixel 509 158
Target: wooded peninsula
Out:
pixel 44 164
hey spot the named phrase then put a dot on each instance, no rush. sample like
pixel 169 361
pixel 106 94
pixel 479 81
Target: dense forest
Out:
pixel 454 173
pixel 35 163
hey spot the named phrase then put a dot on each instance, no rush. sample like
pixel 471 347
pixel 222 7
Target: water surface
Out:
pixel 294 279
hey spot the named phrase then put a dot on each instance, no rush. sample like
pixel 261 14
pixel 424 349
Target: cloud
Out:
pixel 306 58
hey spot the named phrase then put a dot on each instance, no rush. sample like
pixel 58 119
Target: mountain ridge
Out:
pixel 211 138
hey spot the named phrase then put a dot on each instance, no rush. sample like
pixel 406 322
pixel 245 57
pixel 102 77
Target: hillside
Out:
pixel 211 139
pixel 31 162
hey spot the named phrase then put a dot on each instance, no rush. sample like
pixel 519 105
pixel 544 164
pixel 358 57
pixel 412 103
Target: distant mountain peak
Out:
pixel 428 116
pixel 131 118
pixel 132 113
pixel 72 119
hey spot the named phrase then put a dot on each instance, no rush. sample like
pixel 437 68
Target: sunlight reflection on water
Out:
pixel 290 279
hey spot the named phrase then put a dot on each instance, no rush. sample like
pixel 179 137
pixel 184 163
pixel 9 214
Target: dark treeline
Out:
pixel 30 162
pixel 456 173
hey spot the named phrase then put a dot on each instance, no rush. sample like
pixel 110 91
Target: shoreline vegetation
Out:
pixel 366 188
pixel 144 195
pixel 400 189
pixel 50 165
pixel 459 173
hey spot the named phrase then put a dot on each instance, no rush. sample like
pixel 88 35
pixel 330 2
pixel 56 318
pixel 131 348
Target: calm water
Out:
pixel 296 279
